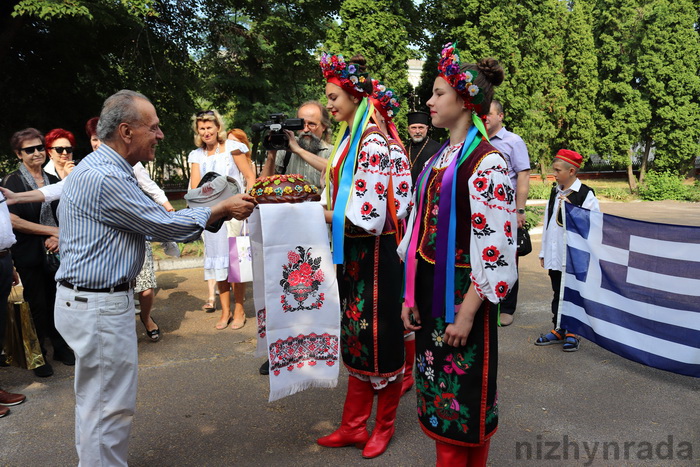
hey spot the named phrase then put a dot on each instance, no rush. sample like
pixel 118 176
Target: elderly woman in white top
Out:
pixel 216 153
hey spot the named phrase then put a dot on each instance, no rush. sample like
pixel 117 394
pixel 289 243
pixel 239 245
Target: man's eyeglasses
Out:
pixel 205 112
pixel 311 125
pixel 62 149
pixel 30 149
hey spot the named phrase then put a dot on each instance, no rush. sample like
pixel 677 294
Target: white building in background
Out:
pixel 415 68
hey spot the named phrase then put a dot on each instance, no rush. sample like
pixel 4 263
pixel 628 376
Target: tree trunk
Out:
pixel 631 179
pixel 645 159
pixel 543 170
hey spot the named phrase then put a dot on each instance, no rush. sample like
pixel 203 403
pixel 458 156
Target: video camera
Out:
pixel 276 139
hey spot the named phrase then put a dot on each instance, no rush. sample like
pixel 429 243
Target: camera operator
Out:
pixel 308 153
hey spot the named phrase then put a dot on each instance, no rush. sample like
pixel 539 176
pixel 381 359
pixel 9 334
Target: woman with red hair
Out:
pixel 239 135
pixel 60 144
pixel 91 131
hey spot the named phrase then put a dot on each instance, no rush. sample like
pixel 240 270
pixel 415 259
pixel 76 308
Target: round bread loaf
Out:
pixel 290 188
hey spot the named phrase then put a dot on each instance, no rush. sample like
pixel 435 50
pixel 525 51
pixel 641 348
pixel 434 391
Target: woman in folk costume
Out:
pixel 360 190
pixel 386 105
pixel 460 257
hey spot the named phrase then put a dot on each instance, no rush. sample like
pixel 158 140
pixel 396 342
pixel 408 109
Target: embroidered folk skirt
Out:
pixel 456 386
pixel 369 283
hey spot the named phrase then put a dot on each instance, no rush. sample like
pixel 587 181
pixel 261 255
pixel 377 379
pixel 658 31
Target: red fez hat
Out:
pixel 572 157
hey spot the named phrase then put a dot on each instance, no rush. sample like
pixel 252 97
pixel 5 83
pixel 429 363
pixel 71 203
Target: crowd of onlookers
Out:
pixel 30 234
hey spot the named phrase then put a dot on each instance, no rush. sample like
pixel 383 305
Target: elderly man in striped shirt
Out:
pixel 104 219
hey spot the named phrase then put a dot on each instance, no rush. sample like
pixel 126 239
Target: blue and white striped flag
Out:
pixel 633 288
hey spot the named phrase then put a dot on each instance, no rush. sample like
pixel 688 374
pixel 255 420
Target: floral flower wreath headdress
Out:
pixel 462 81
pixel 385 100
pixel 347 76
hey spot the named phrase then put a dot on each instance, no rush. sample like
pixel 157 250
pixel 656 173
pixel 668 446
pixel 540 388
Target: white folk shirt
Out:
pixel 553 241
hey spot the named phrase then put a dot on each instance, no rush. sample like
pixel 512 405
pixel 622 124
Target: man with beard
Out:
pixel 308 152
pixel 421 146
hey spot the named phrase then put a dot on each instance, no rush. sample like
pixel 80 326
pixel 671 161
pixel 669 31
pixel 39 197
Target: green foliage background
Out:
pixel 619 78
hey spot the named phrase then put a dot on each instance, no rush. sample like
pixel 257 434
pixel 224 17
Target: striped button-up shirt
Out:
pixel 105 218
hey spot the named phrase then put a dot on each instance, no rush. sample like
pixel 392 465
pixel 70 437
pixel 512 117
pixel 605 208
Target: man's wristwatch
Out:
pixel 521 211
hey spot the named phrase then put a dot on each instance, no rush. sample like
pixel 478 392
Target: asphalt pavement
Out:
pixel 201 401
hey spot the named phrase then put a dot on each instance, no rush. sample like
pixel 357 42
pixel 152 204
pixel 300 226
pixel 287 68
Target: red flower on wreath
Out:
pixel 481 183
pixel 508 229
pixel 501 289
pixel 478 221
pixel 500 193
pixel 379 188
pixel 491 253
pixel 354 346
pixel 366 208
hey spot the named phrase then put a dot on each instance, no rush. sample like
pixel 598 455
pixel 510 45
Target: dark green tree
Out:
pixel 625 111
pixel 577 126
pixel 59 68
pixel 260 57
pixel 380 31
pixel 528 39
pixel 668 65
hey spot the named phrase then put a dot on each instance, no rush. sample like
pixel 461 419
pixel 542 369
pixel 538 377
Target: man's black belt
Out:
pixel 124 286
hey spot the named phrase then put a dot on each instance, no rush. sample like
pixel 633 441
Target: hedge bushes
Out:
pixel 659 186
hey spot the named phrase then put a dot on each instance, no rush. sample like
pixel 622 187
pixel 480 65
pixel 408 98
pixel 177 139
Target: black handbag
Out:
pixel 524 243
pixel 52 262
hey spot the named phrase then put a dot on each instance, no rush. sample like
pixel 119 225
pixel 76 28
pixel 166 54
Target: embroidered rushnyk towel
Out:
pixel 296 297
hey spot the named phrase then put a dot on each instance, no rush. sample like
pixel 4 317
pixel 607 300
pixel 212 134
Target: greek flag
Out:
pixel 633 288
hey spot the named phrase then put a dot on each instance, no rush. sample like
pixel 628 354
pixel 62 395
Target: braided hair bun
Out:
pixel 492 70
pixel 490 74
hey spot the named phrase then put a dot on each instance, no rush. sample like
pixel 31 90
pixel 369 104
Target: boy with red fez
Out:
pixel 568 188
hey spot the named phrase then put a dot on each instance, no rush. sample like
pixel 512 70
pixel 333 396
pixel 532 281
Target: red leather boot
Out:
pixel 410 346
pixel 387 403
pixel 478 455
pixel 451 455
pixel 356 411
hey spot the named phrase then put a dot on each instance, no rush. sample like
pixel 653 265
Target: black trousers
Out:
pixel 555 277
pixel 40 293
pixel 5 287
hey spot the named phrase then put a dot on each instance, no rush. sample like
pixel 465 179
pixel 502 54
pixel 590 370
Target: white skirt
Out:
pixel 216 253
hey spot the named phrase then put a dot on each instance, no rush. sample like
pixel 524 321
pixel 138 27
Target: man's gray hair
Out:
pixel 325 119
pixel 118 108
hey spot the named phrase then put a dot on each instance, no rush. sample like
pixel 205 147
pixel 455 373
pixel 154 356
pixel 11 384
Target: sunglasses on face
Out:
pixel 62 149
pixel 30 149
pixel 205 112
